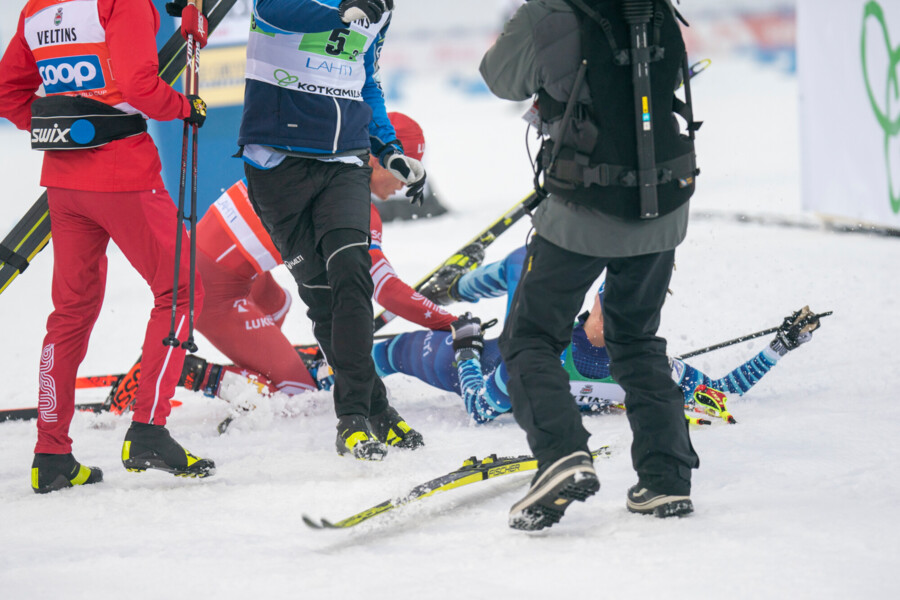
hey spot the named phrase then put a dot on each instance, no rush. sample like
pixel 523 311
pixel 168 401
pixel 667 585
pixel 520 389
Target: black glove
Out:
pixel 173 9
pixel 357 10
pixel 198 111
pixel 468 338
pixel 795 330
pixel 411 173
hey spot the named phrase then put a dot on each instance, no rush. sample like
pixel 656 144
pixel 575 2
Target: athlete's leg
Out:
pixel 269 297
pixel 494 279
pixel 141 224
pixel 661 450
pixel 425 355
pixel 245 334
pixel 79 278
pixel 538 329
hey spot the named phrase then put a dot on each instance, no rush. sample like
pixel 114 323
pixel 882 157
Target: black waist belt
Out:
pixel 76 123
pixel 577 171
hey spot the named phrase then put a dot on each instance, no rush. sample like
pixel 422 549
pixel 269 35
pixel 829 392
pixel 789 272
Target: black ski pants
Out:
pixel 317 214
pixel 539 327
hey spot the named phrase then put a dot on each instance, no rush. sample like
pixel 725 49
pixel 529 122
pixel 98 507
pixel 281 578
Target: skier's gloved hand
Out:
pixel 194 23
pixel 795 330
pixel 357 10
pixel 198 111
pixel 323 374
pixel 468 338
pixel 410 172
pixel 173 9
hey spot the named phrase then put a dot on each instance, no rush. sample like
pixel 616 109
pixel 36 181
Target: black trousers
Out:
pixel 539 327
pixel 317 215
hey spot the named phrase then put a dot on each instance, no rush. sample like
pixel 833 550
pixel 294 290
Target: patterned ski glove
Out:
pixel 411 173
pixel 357 10
pixel 322 373
pixel 795 330
pixel 468 339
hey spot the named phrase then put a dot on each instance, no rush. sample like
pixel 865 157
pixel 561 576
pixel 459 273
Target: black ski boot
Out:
pixel 355 437
pixel 152 447
pixel 442 287
pixel 51 472
pixel 389 427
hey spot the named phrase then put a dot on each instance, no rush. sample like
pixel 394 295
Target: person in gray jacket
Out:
pixel 574 57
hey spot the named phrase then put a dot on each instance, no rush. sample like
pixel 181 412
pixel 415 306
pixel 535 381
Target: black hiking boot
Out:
pixel 355 437
pixel 572 477
pixel 51 472
pixel 152 447
pixel 389 427
pixel 645 501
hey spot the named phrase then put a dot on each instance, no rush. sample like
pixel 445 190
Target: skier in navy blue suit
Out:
pixel 481 377
pixel 313 113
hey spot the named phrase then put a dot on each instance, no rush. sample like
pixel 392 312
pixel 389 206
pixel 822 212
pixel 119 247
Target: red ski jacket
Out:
pixel 118 36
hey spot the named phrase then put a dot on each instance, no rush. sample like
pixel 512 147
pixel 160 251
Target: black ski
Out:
pixel 32 232
pixel 485 237
pixel 24 414
pixel 472 471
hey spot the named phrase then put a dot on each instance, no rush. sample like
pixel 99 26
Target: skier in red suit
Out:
pixel 245 308
pixel 97 63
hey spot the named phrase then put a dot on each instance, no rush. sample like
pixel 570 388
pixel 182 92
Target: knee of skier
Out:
pixel 347 260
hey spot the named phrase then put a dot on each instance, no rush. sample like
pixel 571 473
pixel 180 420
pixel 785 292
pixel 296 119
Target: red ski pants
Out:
pixel 142 224
pixel 242 317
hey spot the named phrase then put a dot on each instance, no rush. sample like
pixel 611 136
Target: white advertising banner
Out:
pixel 848 54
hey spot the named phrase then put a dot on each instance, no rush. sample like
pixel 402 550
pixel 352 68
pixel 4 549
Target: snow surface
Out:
pixel 798 500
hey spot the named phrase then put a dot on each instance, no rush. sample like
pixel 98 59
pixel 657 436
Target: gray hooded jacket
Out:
pixel 540 47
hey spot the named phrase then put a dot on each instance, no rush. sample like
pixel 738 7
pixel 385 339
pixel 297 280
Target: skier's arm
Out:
pixel 19 80
pixel 399 298
pixel 297 16
pixel 796 330
pixel 739 381
pixel 483 402
pixel 509 67
pixel 130 36
pixel 382 136
pixel 395 295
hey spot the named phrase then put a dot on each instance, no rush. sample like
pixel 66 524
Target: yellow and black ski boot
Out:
pixel 355 437
pixel 51 472
pixel 152 447
pixel 389 427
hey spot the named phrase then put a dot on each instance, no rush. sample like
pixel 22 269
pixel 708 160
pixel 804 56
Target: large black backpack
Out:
pixel 624 154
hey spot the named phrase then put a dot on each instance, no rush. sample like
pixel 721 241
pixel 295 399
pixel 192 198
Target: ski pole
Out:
pixel 193 82
pixel 191 89
pixel 738 340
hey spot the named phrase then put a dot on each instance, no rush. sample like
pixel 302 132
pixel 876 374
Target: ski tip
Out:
pixel 312 524
pixel 320 523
